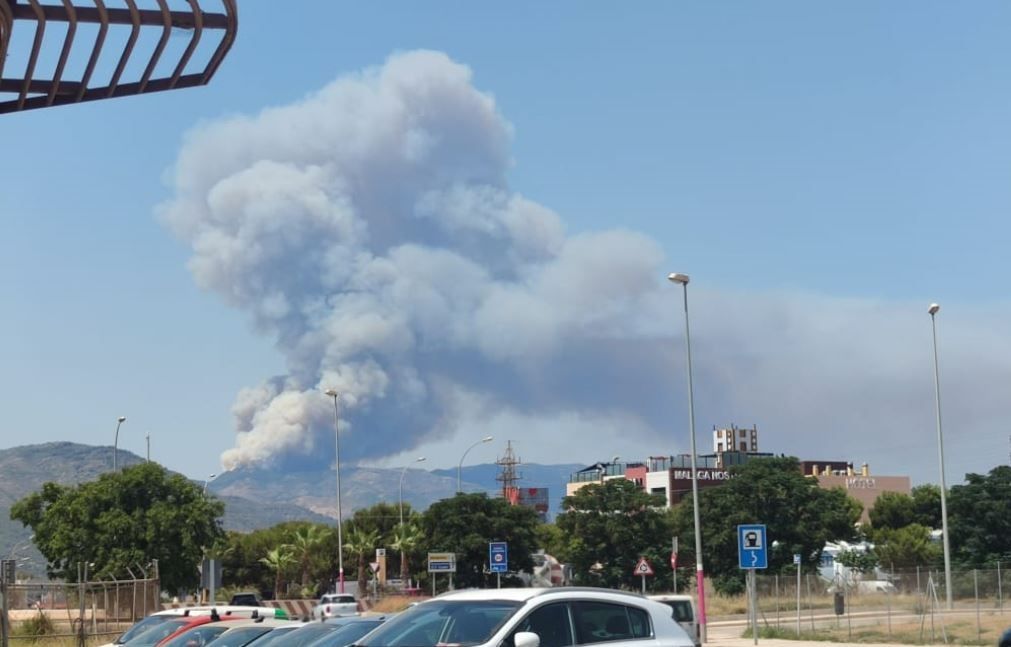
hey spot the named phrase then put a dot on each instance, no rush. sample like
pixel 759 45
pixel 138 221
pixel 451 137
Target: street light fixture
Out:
pixel 699 570
pixel 340 535
pixel 403 473
pixel 459 468
pixel 208 480
pixel 932 310
pixel 115 443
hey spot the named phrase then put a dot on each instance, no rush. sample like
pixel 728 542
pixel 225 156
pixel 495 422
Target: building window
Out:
pixel 744 446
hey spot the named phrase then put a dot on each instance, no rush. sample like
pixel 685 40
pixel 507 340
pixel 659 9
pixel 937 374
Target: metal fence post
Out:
pixel 1000 590
pixel 975 586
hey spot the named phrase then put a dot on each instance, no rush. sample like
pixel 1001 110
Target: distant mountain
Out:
pixel 257 497
pixel 25 469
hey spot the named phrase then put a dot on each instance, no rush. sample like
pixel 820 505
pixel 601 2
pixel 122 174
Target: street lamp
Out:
pixel 340 536
pixel 699 570
pixel 403 473
pixel 147 438
pixel 603 470
pixel 115 444
pixel 208 480
pixel 933 309
pixel 459 468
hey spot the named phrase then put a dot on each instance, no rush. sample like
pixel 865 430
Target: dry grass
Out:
pixel 961 629
pixel 393 604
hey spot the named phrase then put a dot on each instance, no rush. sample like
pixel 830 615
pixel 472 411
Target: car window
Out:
pixel 305 635
pixel 240 636
pixel 275 637
pixel 682 609
pixel 550 622
pixel 346 634
pixel 197 637
pixel 159 632
pixel 142 626
pixel 451 622
pixel 602 622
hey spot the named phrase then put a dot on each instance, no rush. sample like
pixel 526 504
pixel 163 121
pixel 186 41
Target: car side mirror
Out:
pixel 526 639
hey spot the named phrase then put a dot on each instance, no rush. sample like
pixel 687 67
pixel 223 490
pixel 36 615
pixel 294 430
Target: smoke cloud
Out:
pixel 370 231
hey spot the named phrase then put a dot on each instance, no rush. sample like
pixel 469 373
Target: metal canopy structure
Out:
pixel 26 91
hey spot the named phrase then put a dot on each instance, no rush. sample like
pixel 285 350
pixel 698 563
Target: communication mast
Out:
pixel 508 476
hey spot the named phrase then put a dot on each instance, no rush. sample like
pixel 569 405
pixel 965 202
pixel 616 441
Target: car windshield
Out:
pixel 142 626
pixel 303 635
pixel 275 637
pixel 158 632
pixel 346 634
pixel 443 623
pixel 198 636
pixel 241 636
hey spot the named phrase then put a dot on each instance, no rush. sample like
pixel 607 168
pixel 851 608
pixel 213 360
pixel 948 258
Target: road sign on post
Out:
pixel 442 562
pixel 643 568
pixel 752 549
pixel 498 557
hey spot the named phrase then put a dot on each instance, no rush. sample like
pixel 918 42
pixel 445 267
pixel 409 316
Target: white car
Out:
pixel 549 617
pixel 335 605
pixel 683 609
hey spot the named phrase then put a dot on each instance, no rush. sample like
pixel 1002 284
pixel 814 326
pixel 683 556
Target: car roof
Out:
pixel 671 597
pixel 525 594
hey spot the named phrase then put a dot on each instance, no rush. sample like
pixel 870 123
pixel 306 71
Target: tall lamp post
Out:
pixel 207 481
pixel 699 570
pixel 115 444
pixel 459 468
pixel 340 533
pixel 403 473
pixel 147 439
pixel 933 309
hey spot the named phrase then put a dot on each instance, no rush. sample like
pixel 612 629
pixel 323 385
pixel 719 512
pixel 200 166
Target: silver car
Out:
pixel 553 617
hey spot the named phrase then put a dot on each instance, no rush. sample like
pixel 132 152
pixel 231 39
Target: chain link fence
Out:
pixel 92 608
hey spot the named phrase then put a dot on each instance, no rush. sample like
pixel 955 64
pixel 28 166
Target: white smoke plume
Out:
pixel 370 231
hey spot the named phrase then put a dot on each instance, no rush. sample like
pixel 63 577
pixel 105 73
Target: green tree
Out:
pixel 906 547
pixel 361 543
pixel 610 526
pixel 406 539
pixel 799 517
pixel 927 505
pixel 861 561
pixel 464 524
pixel 279 560
pixel 305 544
pixel 979 518
pixel 892 510
pixel 124 518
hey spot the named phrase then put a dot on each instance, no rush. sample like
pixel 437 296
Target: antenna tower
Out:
pixel 508 476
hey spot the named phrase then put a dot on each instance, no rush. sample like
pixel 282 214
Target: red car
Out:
pixel 162 633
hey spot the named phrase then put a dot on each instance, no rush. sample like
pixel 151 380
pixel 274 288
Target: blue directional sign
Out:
pixel 498 557
pixel 752 549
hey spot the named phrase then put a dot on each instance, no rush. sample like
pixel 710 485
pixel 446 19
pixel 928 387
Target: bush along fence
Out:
pixel 902 605
pixel 92 606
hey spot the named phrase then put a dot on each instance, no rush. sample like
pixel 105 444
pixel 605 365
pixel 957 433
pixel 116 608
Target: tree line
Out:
pixel 143 512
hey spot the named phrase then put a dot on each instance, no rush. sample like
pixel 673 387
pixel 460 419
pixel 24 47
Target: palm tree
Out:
pixel 406 538
pixel 304 546
pixel 279 560
pixel 361 543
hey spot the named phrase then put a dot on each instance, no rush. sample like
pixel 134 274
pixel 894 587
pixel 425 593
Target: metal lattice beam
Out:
pixel 26 92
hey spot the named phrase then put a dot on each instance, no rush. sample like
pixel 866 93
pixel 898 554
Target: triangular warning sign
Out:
pixel 374 566
pixel 643 567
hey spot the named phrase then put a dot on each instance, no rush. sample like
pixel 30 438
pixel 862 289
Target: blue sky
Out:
pixel 847 163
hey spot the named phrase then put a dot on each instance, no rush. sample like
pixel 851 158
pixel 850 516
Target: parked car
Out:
pixel 166 631
pixel 333 605
pixel 350 630
pixel 275 635
pixel 683 610
pixel 168 614
pixel 240 633
pixel 246 599
pixel 306 633
pixel 200 635
pixel 551 617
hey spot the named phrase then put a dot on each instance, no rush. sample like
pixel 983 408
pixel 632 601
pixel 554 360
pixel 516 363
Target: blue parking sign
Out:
pixel 498 557
pixel 752 549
